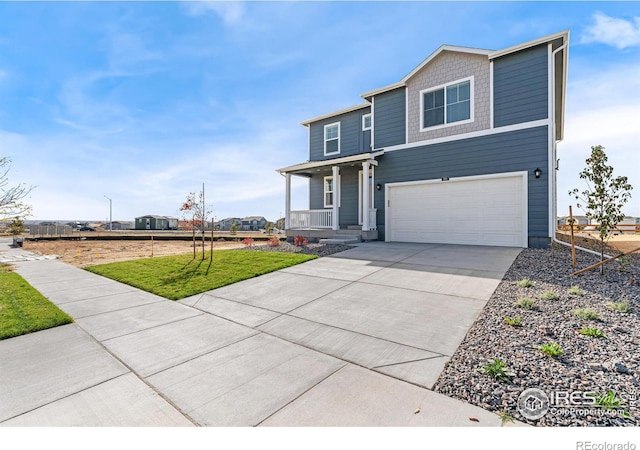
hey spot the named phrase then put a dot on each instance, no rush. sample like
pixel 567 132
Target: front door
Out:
pixel 360 196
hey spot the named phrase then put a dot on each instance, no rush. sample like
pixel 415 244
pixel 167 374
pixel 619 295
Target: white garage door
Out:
pixel 470 210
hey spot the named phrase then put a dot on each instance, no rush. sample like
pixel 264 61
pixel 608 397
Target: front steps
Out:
pixel 351 235
pixel 342 239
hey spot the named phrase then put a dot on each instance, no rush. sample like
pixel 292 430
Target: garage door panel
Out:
pixel 488 211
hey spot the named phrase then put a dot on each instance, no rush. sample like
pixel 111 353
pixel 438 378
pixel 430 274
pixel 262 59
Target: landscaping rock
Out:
pixel 582 365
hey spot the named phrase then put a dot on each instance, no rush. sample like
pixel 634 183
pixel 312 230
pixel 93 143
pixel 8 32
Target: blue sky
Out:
pixel 144 101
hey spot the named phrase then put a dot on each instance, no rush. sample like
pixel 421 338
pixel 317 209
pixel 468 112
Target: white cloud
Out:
pixel 230 12
pixel 612 31
pixel 600 113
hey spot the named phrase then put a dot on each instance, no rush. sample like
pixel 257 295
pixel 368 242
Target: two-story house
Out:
pixel 461 150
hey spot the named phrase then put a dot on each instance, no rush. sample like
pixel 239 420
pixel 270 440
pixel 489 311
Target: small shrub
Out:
pixel 586 313
pixel 575 291
pixel 621 306
pixel 549 295
pixel 300 241
pixel 248 242
pixel 552 349
pixel 497 369
pixel 505 418
pixel 526 303
pixel 273 242
pixel 517 322
pixel 591 332
pixel 526 283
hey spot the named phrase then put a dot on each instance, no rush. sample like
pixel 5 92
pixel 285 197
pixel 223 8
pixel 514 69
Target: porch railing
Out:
pixel 313 218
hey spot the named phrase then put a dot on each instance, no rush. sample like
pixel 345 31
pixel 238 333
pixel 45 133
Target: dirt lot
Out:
pixel 89 253
pixel 623 242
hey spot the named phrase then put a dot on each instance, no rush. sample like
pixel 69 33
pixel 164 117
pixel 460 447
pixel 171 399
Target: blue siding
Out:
pixel 520 87
pixel 352 139
pixel 523 150
pixel 390 118
pixel 348 198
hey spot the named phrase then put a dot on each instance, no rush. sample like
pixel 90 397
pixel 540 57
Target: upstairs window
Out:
pixel 332 138
pixel 447 105
pixel 366 122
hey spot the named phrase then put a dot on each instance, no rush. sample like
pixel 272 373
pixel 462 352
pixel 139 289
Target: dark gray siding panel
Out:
pixel 352 139
pixel 390 118
pixel 523 150
pixel 520 83
pixel 316 192
pixel 348 197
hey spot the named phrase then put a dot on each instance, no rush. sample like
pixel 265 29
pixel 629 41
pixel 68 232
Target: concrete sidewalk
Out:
pixel 350 340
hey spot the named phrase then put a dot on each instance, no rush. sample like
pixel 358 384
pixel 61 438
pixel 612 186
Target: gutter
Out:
pixel 555 205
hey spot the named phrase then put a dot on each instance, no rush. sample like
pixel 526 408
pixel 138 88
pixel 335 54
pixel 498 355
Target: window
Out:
pixel 328 192
pixel 366 122
pixel 332 138
pixel 448 104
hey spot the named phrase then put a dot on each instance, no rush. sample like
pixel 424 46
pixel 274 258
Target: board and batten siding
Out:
pixel 389 116
pixel 353 140
pixel 520 84
pixel 522 150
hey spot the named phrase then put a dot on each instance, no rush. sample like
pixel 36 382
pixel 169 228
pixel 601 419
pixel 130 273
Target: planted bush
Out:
pixel 549 295
pixel 497 369
pixel 300 241
pixel 514 322
pixel 586 313
pixel 526 303
pixel 273 242
pixel 575 291
pixel 591 332
pixel 248 242
pixel 552 349
pixel 526 283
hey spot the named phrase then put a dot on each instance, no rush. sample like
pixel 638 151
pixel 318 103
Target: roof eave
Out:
pixel 336 113
pixel 516 48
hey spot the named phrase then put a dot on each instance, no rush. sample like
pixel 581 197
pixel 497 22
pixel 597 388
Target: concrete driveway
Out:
pixel 355 339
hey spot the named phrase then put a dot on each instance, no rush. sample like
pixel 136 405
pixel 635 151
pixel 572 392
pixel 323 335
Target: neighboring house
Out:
pixel 253 223
pixel 121 225
pixel 578 220
pixel 152 222
pixel 225 224
pixel 461 150
pixel 172 222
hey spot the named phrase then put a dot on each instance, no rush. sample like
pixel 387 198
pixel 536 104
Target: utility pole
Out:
pixel 110 214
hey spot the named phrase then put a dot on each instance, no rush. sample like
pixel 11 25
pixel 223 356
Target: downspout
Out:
pixel 555 181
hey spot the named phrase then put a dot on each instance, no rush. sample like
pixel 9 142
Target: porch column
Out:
pixel 287 203
pixel 365 196
pixel 335 225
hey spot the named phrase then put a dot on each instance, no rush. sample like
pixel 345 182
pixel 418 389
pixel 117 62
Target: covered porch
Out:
pixel 341 198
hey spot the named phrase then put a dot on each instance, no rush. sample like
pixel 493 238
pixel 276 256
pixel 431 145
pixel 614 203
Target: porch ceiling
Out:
pixel 306 167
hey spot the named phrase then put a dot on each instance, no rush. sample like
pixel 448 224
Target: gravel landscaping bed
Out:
pixel 587 364
pixel 309 249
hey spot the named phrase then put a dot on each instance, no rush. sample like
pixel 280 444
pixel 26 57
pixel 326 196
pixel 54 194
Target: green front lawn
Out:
pixel 23 309
pixel 179 276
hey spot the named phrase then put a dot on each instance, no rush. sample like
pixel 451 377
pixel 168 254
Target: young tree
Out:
pixel 233 229
pixel 604 197
pixel 195 212
pixel 11 203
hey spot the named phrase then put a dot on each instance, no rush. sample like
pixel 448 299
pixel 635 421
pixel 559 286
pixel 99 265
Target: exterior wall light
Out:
pixel 537 172
pixel 378 187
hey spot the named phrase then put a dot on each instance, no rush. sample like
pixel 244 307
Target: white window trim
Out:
pixel 444 86
pixel 364 127
pixel 324 138
pixel 324 193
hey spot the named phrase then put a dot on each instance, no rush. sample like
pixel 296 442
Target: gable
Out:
pixel 445 68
